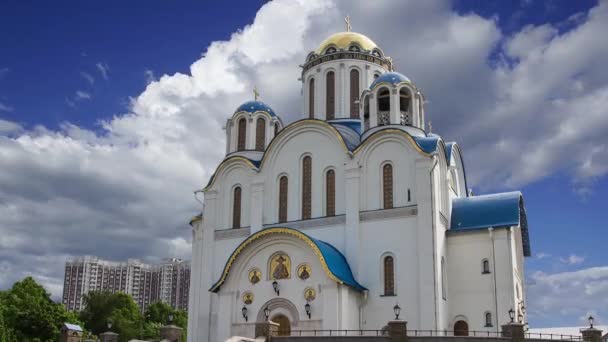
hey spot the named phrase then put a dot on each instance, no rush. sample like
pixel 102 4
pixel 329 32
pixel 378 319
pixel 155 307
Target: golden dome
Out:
pixel 342 40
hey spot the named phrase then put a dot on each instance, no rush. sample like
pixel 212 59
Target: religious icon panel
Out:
pixel 248 297
pixel 310 294
pixel 255 275
pixel 280 266
pixel 304 271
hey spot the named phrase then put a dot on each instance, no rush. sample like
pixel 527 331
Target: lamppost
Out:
pixel 590 322
pixel 307 308
pixel 266 312
pixel 275 286
pixel 397 311
pixel 512 315
pixel 170 318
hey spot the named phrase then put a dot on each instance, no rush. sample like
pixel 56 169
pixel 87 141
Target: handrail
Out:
pixel 431 333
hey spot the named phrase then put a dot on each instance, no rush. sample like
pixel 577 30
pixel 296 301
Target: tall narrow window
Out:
pixel 384 106
pixel 283 199
pixel 485 266
pixel 276 129
pixel 443 287
pixel 409 195
pixel 366 112
pixel 488 319
pixel 330 96
pixel 404 106
pixel 260 134
pixel 389 276
pixel 306 187
pixel 330 193
pixel 236 208
pixel 387 186
pixel 354 94
pixel 242 134
pixel 311 98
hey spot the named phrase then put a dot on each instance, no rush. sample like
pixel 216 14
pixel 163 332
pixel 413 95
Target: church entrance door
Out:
pixel 284 325
pixel 461 328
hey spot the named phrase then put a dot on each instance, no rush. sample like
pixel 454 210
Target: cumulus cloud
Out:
pixel 569 295
pixel 572 259
pixel 149 76
pixel 103 69
pixel 9 127
pixel 521 106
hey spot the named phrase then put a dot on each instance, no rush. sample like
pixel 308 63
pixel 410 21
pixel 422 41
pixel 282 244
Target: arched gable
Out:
pixel 227 164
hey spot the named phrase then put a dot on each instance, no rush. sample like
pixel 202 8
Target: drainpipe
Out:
pixel 435 162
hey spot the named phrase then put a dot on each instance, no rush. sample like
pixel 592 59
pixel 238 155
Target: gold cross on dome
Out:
pixel 347 20
pixel 256 94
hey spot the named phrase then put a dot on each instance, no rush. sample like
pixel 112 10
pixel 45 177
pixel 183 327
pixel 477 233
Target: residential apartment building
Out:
pixel 168 281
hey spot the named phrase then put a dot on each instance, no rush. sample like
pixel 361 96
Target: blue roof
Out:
pixel 390 77
pixel 255 106
pixel 495 210
pixel 354 124
pixel 334 260
pixel 427 144
pixel 73 327
pixel 349 131
pixel 448 151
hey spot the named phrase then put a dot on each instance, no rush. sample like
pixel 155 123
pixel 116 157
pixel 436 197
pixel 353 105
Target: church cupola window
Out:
pixel 330 193
pixel 387 186
pixel 283 199
pixel 389 276
pixel 236 207
pixel 276 128
pixel 311 98
pixel 354 48
pixel 384 106
pixel 488 319
pixel 405 112
pixel 306 187
pixel 330 50
pixel 366 112
pixel 260 134
pixel 376 75
pixel 354 94
pixel 485 266
pixel 330 95
pixel 241 134
pixel 444 294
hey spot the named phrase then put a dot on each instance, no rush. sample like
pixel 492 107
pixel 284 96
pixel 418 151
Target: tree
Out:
pixel 28 313
pixel 158 314
pixel 118 308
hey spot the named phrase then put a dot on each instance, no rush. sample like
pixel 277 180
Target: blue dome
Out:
pixel 390 77
pixel 255 106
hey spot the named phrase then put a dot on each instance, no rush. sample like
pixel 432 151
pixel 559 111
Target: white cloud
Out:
pixel 5 108
pixel 9 127
pixel 542 255
pixel 572 259
pixel 82 95
pixel 149 76
pixel 104 69
pixel 88 77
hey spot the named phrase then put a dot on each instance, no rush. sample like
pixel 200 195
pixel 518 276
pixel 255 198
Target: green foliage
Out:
pixel 159 313
pixel 27 313
pixel 118 308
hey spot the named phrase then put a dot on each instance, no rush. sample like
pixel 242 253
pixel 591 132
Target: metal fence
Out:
pixel 433 333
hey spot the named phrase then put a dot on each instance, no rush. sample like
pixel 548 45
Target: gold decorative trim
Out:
pixel 388 131
pixel 263 233
pixel 224 162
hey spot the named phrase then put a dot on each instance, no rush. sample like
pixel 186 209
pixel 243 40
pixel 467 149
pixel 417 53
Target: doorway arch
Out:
pixel 284 324
pixel 279 306
pixel 461 328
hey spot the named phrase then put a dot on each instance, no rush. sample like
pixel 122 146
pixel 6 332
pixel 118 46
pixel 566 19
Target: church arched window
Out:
pixel 276 128
pixel 260 134
pixel 283 199
pixel 485 266
pixel 404 106
pixel 444 294
pixel 488 319
pixel 389 276
pixel 384 106
pixel 366 112
pixel 306 187
pixel 376 75
pixel 354 94
pixel 330 193
pixel 330 95
pixel 387 186
pixel 311 98
pixel 236 207
pixel 241 134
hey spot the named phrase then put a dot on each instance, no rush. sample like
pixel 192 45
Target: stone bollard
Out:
pixel 108 336
pixel 397 330
pixel 514 330
pixel 591 335
pixel 267 329
pixel 171 333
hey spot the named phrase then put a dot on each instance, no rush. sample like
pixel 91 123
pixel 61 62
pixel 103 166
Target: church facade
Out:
pixel 332 220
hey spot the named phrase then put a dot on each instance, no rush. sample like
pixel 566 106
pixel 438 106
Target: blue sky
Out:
pixel 102 108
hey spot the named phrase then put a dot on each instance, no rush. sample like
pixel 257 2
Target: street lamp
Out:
pixel 170 318
pixel 275 286
pixel 397 311
pixel 307 308
pixel 266 312
pixel 591 321
pixel 244 311
pixel 512 315
pixel 109 324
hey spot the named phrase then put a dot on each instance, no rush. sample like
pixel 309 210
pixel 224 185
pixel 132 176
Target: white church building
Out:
pixel 332 220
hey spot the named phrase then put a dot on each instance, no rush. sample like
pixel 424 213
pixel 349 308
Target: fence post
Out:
pixel 591 335
pixel 171 333
pixel 397 330
pixel 267 329
pixel 514 330
pixel 108 336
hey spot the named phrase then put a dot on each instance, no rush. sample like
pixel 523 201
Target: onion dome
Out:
pixel 342 40
pixel 390 77
pixel 255 106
